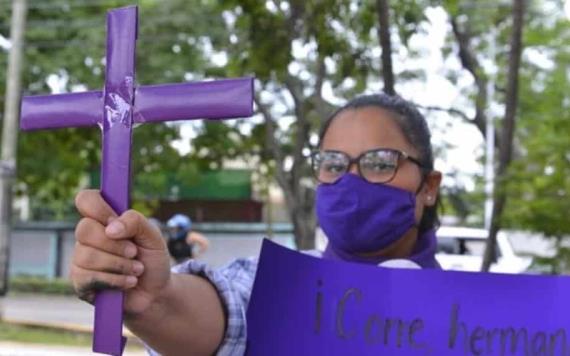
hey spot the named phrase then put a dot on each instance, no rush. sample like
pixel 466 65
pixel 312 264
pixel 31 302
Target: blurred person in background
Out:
pixel 183 243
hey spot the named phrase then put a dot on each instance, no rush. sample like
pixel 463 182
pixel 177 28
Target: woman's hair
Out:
pixel 415 129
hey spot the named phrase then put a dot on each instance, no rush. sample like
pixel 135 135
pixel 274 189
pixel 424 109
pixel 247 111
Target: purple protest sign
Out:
pixel 302 305
pixel 116 109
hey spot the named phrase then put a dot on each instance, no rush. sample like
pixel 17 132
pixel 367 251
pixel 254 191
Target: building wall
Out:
pixel 211 210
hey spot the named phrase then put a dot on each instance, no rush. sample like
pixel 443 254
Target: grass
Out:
pixel 33 284
pixel 49 336
pixel 41 335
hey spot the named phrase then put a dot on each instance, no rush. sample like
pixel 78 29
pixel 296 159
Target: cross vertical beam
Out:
pixel 116 159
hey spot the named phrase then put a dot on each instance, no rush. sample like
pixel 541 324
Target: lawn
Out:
pixel 49 336
pixel 40 335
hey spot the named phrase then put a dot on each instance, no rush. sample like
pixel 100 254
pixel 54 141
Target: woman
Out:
pixel 376 202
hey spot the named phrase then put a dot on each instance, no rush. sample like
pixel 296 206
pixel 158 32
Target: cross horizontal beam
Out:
pixel 227 98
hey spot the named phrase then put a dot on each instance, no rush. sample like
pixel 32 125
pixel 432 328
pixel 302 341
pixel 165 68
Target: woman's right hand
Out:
pixel 120 252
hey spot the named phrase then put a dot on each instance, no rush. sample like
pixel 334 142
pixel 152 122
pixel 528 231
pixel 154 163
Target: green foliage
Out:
pixel 42 335
pixel 559 264
pixel 539 181
pixel 409 16
pixel 216 143
pixel 34 284
pixel 466 206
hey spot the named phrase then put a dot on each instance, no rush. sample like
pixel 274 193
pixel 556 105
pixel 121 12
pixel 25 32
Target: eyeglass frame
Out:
pixel 402 155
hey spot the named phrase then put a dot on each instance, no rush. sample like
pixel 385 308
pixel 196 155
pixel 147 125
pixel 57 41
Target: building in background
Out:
pixel 216 196
pixel 225 195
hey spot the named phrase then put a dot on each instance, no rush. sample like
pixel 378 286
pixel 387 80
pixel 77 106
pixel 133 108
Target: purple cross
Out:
pixel 116 109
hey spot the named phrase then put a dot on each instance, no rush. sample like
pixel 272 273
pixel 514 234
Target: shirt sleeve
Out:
pixel 234 283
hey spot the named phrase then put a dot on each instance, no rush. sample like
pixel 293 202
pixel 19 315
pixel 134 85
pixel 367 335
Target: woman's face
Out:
pixel 355 131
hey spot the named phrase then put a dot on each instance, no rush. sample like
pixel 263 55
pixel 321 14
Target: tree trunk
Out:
pixel 506 143
pixel 298 198
pixel 383 10
pixel 304 223
pixel 10 135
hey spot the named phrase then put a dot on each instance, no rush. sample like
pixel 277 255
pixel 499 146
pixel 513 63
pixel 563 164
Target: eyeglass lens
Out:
pixel 377 166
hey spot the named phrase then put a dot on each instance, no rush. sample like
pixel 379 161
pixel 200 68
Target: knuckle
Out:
pixel 132 215
pixel 79 198
pixel 119 266
pixel 121 281
pixel 82 228
pixel 84 257
pixel 114 281
pixel 134 221
pixel 83 196
pixel 116 248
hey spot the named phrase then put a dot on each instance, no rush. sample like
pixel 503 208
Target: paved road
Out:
pixel 57 311
pixel 48 309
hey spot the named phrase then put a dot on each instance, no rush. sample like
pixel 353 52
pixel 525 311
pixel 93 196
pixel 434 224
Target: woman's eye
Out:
pixel 379 166
pixel 333 168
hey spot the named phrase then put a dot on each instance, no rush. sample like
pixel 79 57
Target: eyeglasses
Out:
pixel 376 166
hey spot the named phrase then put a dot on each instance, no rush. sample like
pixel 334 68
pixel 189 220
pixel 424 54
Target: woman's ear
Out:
pixel 431 188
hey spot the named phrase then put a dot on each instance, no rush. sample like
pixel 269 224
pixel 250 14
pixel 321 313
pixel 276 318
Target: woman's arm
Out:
pixel 187 319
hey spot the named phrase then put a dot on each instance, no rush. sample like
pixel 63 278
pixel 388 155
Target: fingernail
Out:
pixel 131 281
pixel 130 251
pixel 115 228
pixel 138 268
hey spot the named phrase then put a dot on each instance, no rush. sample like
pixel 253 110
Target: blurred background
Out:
pixel 491 77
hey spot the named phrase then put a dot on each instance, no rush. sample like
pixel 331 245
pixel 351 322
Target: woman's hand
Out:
pixel 122 252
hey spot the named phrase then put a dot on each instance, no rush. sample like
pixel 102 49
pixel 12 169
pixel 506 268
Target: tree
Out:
pixel 508 130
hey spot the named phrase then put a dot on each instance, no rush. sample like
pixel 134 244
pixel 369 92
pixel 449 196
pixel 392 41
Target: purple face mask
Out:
pixel 358 216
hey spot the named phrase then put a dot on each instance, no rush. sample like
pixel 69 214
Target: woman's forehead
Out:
pixel 357 130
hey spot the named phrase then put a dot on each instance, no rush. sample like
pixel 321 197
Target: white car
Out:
pixel 461 249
